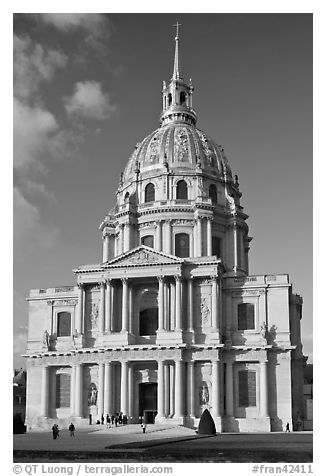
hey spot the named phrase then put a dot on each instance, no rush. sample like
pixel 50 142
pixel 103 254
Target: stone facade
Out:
pixel 170 322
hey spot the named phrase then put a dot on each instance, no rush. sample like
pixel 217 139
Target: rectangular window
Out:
pixel 62 390
pixel 247 388
pixel 216 246
pixel 246 316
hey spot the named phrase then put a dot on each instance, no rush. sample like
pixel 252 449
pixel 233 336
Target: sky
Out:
pixel 87 88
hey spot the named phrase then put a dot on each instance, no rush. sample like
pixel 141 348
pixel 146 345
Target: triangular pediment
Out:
pixel 141 256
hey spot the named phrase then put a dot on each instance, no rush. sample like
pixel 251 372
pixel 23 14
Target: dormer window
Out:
pixel 182 98
pixel 149 193
pixel 169 99
pixel 212 193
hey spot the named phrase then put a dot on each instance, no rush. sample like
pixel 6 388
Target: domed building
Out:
pixel 169 323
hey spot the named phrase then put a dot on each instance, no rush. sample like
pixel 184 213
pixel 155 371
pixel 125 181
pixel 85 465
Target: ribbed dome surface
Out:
pixel 178 145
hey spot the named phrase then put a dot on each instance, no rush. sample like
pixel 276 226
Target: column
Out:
pixel 172 305
pixel 263 389
pixel 158 237
pixel 172 393
pixel 108 306
pixel 72 389
pixel 160 303
pixel 167 389
pixel 131 391
pixel 124 387
pixel 229 389
pixel 160 388
pixel 191 245
pixel 178 323
pixel 167 305
pixel 190 305
pixel 100 394
pixel 235 246
pixel 214 302
pixel 45 391
pixel 79 316
pixel 120 240
pixel 106 248
pixel 101 308
pixel 79 391
pixel 191 389
pixel 199 237
pixel 107 388
pixel 168 236
pixel 124 304
pixel 179 388
pixel 195 239
pixel 126 237
pixel 131 310
pixel 216 388
pixel 209 236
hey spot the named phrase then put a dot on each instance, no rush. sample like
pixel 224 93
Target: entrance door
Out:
pixel 148 401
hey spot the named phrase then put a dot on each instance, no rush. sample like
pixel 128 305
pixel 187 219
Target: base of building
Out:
pixel 246 425
pixel 170 421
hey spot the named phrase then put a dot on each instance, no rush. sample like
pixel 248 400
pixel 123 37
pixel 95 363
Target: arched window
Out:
pixel 182 190
pixel 246 316
pixel 212 193
pixel 126 199
pixel 149 193
pixel 182 245
pixel 182 97
pixel 169 99
pixel 62 396
pixel 148 321
pixel 64 324
pixel 148 240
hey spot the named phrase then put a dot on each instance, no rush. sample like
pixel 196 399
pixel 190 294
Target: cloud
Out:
pixel 29 226
pixel 33 64
pixel 36 135
pixel 89 102
pixel 91 22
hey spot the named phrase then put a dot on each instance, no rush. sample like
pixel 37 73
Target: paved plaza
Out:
pixel 161 443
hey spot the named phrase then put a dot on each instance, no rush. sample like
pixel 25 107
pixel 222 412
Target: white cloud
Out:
pixel 33 64
pixel 70 21
pixel 37 138
pixel 89 101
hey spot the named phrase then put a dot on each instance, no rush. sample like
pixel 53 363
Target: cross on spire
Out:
pixel 176 67
pixel 177 26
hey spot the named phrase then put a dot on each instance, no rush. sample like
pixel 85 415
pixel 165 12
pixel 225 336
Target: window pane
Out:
pixel 182 245
pixel 182 190
pixel 62 390
pixel 250 316
pixel 149 193
pixel 64 324
pixel 148 240
pixel 148 322
pixel 242 317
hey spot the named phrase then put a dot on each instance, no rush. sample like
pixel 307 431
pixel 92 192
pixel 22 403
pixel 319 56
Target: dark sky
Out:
pixel 88 88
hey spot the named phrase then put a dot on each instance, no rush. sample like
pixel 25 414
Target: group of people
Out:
pixel 55 430
pixel 111 420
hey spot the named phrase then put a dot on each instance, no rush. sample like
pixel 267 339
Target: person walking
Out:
pixel 143 427
pixel 102 419
pixel 287 428
pixel 55 431
pixel 72 429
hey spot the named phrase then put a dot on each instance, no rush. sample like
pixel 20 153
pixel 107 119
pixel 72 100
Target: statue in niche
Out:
pixel 204 309
pixel 92 394
pixel 203 394
pixel 46 339
pixel 263 331
pixel 94 314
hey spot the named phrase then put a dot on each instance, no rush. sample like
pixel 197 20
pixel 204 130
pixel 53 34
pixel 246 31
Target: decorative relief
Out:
pixel 254 292
pixel 92 394
pixel 181 145
pixel 183 222
pixel 202 192
pixel 94 315
pixel 203 394
pixel 153 148
pixel 64 302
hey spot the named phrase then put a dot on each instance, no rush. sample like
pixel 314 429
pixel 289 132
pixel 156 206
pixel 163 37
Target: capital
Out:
pixel 80 286
pixel 178 278
pixel 160 279
pixel 124 281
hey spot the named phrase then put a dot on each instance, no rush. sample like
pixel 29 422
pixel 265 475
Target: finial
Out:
pixel 176 68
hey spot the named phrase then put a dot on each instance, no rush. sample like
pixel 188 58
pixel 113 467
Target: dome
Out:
pixel 177 145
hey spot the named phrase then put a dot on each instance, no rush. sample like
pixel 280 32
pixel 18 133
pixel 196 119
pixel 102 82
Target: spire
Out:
pixel 176 67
